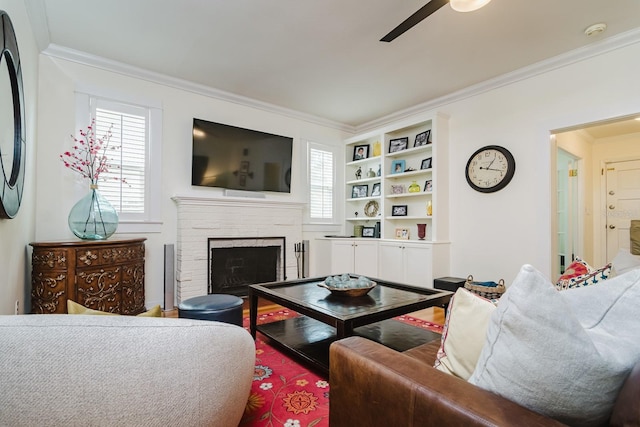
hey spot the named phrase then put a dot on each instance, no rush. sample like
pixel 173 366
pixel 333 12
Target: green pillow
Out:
pixel 75 308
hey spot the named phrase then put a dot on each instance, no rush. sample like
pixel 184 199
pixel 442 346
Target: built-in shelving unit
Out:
pixel 399 156
pixel 390 248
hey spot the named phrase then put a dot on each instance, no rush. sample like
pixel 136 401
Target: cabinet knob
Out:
pixel 612 227
pixel 612 206
pixel 611 193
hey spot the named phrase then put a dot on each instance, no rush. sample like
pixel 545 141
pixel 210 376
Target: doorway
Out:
pixel 596 223
pixel 568 212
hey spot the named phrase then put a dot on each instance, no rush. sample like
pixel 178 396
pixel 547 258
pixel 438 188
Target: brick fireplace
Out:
pixel 245 220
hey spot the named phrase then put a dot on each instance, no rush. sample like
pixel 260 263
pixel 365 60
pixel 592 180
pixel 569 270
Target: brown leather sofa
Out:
pixel 373 385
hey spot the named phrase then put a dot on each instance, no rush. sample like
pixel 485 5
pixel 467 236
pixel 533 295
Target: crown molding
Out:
pixel 84 58
pixel 592 50
pixel 37 15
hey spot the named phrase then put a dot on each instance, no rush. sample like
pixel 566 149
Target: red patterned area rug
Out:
pixel 285 393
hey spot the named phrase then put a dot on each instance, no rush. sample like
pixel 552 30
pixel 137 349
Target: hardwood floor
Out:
pixel 433 314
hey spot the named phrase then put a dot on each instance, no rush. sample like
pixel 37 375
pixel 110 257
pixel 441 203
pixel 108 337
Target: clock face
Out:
pixel 490 169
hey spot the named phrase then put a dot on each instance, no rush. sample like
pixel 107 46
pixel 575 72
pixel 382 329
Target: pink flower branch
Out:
pixel 88 156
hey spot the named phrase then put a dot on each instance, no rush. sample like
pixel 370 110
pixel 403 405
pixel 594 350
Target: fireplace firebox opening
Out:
pixel 236 263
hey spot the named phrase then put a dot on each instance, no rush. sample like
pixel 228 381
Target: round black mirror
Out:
pixel 12 126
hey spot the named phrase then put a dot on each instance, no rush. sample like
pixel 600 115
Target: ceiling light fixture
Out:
pixel 467 5
pixel 595 29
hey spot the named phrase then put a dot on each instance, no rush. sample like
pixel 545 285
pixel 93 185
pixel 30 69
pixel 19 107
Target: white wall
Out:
pixel 58 189
pixel 16 233
pixel 494 234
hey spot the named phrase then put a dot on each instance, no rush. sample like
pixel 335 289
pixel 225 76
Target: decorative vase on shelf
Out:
pixel 429 208
pixel 414 187
pixel 422 231
pixel 93 217
pixel 377 149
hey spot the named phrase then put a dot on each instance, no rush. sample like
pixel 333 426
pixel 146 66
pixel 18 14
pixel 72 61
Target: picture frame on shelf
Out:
pixel 397 189
pixel 375 190
pixel 428 185
pixel 360 152
pixel 359 191
pixel 398 166
pixel 368 232
pixel 426 164
pixel 399 210
pixel 398 144
pixel 422 138
pixel 402 233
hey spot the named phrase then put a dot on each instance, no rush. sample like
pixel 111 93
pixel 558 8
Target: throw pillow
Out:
pixel 579 274
pixel 464 332
pixel 577 268
pixel 624 262
pixel 75 308
pixel 562 354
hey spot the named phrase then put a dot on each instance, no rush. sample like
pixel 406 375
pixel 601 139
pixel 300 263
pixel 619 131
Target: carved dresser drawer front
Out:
pixel 50 259
pixel 102 275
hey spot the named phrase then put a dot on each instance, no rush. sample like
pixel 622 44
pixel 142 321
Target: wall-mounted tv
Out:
pixel 240 159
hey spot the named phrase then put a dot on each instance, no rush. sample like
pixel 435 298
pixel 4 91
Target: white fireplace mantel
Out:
pixel 235 201
pixel 201 218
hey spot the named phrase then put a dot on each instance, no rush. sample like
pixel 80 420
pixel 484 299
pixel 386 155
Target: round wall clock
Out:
pixel 12 137
pixel 490 169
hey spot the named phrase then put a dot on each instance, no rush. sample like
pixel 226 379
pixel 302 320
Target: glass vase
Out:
pixel 414 187
pixel 93 217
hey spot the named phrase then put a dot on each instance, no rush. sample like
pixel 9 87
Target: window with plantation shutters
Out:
pixel 127 155
pixel 321 182
pixel 134 154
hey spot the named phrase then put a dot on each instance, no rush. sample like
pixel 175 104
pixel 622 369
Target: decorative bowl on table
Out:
pixel 348 286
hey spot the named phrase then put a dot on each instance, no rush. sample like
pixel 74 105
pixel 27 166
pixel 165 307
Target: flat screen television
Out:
pixel 240 159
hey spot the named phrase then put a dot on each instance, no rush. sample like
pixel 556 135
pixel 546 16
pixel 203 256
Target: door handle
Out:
pixel 611 227
pixel 612 206
pixel 611 193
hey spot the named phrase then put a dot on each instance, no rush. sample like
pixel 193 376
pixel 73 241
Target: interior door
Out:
pixel 622 203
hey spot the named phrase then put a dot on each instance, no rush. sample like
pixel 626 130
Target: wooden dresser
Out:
pixel 105 275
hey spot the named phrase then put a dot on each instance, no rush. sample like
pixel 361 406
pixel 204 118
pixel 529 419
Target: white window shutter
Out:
pixel 127 153
pixel 321 173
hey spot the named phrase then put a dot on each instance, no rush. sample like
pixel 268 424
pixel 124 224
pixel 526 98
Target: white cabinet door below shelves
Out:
pixel 406 263
pixel 418 266
pixel 354 256
pixel 391 262
pixel 342 256
pixel 365 258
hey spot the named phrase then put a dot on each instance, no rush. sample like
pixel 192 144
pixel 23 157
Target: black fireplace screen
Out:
pixel 233 269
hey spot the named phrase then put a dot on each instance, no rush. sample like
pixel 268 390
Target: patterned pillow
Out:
pixel 580 274
pixel 577 268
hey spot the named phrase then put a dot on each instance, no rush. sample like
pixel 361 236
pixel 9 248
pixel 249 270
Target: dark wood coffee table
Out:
pixel 325 318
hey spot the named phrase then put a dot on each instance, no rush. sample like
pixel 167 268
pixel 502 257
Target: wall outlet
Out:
pixel 17 306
